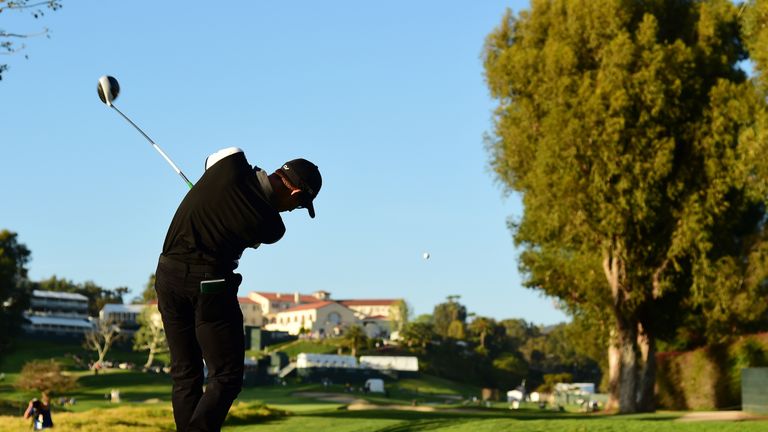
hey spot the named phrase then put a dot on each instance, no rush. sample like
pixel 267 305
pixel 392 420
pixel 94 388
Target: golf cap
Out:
pixel 305 176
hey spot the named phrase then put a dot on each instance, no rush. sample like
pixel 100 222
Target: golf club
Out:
pixel 109 89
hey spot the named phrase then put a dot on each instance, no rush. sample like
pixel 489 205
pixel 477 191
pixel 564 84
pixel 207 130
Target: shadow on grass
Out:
pixel 124 379
pixel 476 414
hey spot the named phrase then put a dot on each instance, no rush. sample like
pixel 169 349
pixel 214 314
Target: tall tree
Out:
pixel 418 334
pixel 354 338
pixel 8 40
pixel 446 313
pixel 149 294
pixel 14 257
pixel 483 328
pixel 629 130
pixel 399 314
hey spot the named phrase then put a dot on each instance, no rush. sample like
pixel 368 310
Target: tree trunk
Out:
pixel 613 372
pixel 150 358
pixel 628 365
pixel 622 352
pixel 646 400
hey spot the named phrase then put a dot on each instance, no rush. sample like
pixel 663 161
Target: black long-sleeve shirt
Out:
pixel 224 213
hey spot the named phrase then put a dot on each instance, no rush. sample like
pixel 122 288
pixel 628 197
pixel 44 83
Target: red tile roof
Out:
pixel 377 317
pixel 311 306
pixel 288 298
pixel 242 300
pixel 372 302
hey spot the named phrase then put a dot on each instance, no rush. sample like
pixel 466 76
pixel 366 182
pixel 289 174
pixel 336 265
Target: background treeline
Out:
pixel 457 345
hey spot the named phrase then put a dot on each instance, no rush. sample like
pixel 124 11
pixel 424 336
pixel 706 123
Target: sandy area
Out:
pixel 718 416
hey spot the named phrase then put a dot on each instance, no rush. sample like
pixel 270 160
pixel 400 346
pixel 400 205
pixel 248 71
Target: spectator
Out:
pixel 40 413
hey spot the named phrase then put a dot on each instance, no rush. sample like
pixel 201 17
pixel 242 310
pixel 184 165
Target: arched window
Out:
pixel 334 318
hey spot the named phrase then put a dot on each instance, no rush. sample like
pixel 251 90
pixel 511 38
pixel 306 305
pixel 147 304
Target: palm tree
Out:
pixel 354 338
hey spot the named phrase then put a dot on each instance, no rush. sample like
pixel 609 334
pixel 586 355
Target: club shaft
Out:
pixel 157 147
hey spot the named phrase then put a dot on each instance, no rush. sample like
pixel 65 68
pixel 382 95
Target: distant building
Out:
pixel 300 313
pixel 378 326
pixel 319 319
pixel 121 314
pixel 371 307
pixel 272 303
pixel 61 304
pixel 251 312
pixel 57 314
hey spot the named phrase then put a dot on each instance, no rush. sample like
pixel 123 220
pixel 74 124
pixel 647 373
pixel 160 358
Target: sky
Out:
pixel 387 98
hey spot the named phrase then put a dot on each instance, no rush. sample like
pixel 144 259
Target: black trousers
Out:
pixel 201 326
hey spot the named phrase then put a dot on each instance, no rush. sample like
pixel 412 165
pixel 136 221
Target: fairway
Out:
pixel 302 407
pixel 254 417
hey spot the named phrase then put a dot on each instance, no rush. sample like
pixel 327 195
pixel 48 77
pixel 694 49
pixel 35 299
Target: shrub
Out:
pixel 44 376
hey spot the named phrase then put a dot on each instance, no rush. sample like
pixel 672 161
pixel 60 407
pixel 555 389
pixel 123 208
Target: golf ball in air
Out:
pixel 425 255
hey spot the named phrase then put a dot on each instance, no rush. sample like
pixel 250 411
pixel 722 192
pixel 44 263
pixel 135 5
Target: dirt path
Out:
pixel 357 404
pixel 718 416
pixel 330 397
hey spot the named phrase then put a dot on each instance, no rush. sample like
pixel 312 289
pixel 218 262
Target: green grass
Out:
pixel 294 348
pixel 276 408
pixel 492 421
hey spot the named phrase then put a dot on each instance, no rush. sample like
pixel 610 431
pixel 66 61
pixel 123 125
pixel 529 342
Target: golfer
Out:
pixel 232 207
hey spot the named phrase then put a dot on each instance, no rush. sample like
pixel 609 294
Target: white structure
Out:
pixel 375 385
pixel 371 307
pixel 320 319
pixel 61 304
pixel 394 363
pixel 514 396
pixel 575 388
pixel 377 326
pixel 304 361
pixel 121 313
pixel 57 326
pixel 57 313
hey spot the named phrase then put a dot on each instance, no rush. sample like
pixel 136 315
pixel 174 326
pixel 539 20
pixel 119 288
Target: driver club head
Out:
pixel 108 89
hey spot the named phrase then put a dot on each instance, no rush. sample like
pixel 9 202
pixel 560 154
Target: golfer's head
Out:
pixel 302 181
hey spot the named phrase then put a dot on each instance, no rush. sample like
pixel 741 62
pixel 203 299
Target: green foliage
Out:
pixel 418 334
pixel 632 136
pixel 14 299
pixel 354 339
pixel 446 313
pixel 149 294
pixel 709 377
pixel 151 335
pixel 44 376
pixel 483 329
pixel 548 386
pixel 399 313
pixel 456 330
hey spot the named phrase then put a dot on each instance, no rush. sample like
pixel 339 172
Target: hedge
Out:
pixel 709 377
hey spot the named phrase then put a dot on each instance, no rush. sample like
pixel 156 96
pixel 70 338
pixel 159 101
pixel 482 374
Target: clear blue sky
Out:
pixel 388 98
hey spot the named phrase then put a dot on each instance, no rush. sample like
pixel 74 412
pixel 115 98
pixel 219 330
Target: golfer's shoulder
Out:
pixel 228 155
